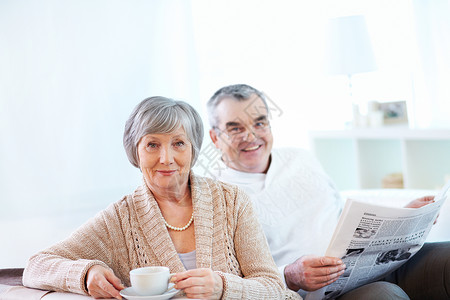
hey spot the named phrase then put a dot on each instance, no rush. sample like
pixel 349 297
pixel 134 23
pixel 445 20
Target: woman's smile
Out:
pixel 166 172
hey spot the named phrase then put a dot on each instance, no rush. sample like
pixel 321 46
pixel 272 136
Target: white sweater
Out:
pixel 296 203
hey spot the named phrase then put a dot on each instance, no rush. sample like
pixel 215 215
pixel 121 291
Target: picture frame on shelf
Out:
pixel 394 112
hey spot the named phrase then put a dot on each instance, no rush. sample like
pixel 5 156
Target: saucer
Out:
pixel 130 294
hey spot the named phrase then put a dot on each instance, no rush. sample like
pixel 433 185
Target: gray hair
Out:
pixel 162 115
pixel 238 92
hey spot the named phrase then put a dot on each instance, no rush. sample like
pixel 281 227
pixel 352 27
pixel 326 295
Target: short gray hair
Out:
pixel 238 92
pixel 157 115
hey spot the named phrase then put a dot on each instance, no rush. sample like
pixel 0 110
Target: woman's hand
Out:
pixel 102 283
pixel 199 283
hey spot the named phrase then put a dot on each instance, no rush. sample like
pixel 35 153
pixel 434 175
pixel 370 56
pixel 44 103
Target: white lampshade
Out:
pixel 349 49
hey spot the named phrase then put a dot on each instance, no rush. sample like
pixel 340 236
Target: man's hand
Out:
pixel 311 273
pixel 420 202
pixel 102 283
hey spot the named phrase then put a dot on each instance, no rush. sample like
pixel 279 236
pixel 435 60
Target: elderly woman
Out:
pixel 205 231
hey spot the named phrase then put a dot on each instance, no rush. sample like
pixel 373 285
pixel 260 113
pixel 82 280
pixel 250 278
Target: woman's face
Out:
pixel 165 160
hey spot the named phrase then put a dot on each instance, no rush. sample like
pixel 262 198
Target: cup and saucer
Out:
pixel 150 283
pixel 130 294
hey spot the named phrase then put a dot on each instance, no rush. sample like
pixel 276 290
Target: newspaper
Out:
pixel 375 240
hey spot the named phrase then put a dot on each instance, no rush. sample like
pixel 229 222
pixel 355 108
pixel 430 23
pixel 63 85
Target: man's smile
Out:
pixel 252 148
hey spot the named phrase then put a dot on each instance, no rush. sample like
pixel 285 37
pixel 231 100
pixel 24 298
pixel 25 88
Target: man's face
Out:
pixel 243 134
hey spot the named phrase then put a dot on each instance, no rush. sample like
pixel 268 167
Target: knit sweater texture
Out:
pixel 131 234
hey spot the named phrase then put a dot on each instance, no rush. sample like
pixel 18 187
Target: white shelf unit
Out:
pixel 361 158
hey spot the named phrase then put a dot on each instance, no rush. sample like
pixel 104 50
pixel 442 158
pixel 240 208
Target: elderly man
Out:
pixel 298 205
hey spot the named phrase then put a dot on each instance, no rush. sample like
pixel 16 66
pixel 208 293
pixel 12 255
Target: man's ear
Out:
pixel 214 137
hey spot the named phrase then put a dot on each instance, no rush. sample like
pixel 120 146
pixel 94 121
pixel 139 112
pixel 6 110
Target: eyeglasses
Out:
pixel 237 132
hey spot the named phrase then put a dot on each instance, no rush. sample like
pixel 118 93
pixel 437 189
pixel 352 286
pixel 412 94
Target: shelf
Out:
pixel 361 158
pixel 394 132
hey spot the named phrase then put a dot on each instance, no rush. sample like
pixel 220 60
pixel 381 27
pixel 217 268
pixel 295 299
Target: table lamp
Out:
pixel 349 51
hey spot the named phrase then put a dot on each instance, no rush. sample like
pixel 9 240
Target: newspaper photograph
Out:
pixel 375 240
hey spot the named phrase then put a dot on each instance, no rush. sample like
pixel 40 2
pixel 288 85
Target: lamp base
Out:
pixel 358 120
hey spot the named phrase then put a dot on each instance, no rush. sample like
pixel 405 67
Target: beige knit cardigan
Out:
pixel 131 234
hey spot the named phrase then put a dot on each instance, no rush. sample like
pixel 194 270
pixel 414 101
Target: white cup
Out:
pixel 150 281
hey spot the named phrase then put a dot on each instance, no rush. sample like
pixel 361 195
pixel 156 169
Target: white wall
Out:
pixel 71 72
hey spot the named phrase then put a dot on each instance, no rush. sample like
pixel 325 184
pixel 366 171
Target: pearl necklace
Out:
pixel 180 228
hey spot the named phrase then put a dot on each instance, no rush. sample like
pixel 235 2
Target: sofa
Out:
pixel 11 277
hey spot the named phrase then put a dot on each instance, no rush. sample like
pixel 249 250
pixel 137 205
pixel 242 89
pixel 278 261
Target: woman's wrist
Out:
pixel 221 284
